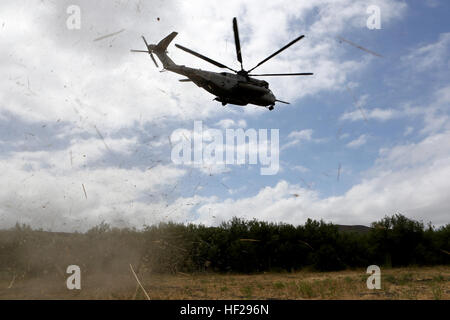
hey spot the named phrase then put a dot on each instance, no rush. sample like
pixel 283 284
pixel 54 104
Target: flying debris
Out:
pixel 109 35
pixel 84 189
pixel 238 88
pixel 308 185
pixel 101 137
pixel 225 185
pixel 360 47
pixel 306 243
pixel 357 104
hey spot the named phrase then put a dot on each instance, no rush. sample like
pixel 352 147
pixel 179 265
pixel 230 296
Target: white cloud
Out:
pixel 432 3
pixel 242 123
pixel 54 74
pixel 408 131
pixel 108 85
pixel 411 179
pixel 415 154
pixel 55 198
pixel 435 114
pixel 232 147
pixel 300 168
pixel 374 114
pixel 361 140
pixel 230 123
pixel 301 135
pixel 434 55
pixel 296 137
pixel 226 123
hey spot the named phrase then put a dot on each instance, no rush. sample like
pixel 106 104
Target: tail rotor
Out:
pixel 149 51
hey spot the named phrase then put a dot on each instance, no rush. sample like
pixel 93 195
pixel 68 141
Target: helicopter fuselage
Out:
pixel 228 87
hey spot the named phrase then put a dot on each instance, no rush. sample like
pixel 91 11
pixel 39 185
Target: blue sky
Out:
pixel 77 113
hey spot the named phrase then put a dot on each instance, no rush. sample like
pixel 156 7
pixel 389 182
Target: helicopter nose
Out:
pixel 267 99
pixel 270 97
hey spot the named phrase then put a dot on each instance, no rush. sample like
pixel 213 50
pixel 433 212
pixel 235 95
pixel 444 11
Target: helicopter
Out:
pixel 237 88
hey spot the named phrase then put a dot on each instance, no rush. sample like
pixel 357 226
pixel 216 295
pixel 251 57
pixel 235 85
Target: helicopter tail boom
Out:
pixel 160 50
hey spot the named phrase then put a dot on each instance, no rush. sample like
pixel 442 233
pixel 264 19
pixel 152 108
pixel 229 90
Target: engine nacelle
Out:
pixel 252 88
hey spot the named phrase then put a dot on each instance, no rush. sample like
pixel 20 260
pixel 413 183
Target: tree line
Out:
pixel 241 246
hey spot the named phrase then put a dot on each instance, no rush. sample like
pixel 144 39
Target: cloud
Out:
pixel 415 154
pixel 80 80
pixel 226 123
pixel 300 168
pixel 108 113
pixel 301 135
pixel 434 114
pixel 219 150
pixel 55 199
pixel 374 114
pixel 432 3
pixel 411 179
pixel 230 123
pixel 408 131
pixel 361 140
pixel 296 137
pixel 430 56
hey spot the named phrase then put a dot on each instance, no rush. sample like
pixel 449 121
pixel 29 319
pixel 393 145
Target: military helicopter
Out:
pixel 238 88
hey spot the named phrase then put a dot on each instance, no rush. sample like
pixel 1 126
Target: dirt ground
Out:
pixel 402 283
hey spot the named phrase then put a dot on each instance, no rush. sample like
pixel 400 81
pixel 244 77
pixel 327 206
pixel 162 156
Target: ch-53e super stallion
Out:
pixel 239 88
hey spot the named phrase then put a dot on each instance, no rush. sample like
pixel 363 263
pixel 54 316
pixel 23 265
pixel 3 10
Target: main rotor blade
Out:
pixel 237 42
pixel 198 55
pixel 153 58
pixel 281 74
pixel 277 52
pixel 146 44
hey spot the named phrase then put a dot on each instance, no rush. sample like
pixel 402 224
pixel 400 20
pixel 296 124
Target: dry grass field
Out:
pixel 399 283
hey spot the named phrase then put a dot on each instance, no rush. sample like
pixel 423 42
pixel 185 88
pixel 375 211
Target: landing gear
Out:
pixel 220 100
pixel 271 107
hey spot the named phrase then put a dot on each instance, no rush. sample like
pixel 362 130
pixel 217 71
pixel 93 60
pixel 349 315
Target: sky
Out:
pixel 86 126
